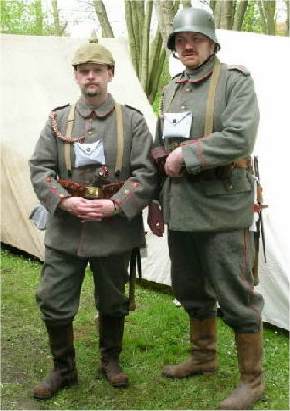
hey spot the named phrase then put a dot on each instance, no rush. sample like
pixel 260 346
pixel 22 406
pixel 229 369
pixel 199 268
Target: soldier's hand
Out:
pixel 86 210
pixel 174 163
pixel 106 208
pixel 155 219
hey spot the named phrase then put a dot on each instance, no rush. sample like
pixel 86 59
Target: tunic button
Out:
pixel 187 89
pixel 183 107
pixel 126 191
pixel 90 132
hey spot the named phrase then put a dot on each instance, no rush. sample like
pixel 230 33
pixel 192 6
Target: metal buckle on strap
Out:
pixel 242 163
pixel 93 192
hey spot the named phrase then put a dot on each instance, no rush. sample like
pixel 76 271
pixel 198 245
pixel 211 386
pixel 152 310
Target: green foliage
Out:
pixel 164 79
pixel 26 18
pixel 155 334
pixel 252 19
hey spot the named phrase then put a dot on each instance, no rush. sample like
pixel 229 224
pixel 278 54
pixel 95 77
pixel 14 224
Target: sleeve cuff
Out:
pixel 192 163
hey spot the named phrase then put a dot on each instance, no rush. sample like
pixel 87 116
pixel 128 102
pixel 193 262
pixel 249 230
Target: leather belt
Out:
pixel 76 189
pixel 219 173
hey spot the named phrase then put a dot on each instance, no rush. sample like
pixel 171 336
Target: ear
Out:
pixel 212 46
pixel 111 73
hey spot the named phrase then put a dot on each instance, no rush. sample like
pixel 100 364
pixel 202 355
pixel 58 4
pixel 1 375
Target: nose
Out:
pixel 189 44
pixel 91 74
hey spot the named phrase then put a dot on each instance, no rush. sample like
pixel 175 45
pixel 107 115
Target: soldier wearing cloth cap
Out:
pixel 205 135
pixel 84 151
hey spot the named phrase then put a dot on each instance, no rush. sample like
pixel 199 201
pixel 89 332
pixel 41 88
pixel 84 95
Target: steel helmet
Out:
pixel 195 20
pixel 93 52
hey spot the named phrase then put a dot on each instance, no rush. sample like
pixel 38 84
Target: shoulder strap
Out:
pixel 170 94
pixel 120 138
pixel 67 146
pixel 208 126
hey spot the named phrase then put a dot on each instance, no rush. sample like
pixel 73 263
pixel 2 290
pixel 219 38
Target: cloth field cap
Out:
pixel 92 52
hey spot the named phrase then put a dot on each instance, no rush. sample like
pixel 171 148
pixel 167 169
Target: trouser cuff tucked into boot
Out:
pixel 111 331
pixel 203 352
pixel 64 373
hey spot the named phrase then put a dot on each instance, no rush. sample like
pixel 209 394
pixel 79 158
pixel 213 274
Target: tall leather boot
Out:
pixel 111 331
pixel 203 359
pixel 64 372
pixel 251 386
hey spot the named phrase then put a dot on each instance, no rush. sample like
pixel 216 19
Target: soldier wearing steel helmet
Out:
pixel 205 136
pixel 92 171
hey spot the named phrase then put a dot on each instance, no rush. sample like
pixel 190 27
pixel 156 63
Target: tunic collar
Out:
pixel 199 74
pixel 88 110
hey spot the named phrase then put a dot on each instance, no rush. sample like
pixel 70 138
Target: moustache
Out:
pixel 189 53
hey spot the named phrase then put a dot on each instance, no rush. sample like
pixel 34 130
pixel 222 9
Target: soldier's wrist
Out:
pixel 117 208
pixel 62 202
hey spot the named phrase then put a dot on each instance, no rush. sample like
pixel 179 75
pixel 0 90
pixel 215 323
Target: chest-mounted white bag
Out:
pixel 177 124
pixel 86 154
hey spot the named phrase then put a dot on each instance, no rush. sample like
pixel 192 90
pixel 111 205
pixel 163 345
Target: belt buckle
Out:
pixel 93 192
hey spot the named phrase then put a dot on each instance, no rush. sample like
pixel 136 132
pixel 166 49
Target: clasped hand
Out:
pixel 88 210
pixel 174 163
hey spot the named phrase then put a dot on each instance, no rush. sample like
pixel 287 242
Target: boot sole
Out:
pixel 208 373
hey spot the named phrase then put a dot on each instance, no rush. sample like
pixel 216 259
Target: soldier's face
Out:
pixel 193 48
pixel 93 79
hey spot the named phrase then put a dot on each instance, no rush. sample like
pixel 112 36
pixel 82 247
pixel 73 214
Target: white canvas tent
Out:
pixel 36 76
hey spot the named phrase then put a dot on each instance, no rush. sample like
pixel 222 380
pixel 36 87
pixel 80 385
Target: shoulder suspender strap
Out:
pixel 67 146
pixel 208 127
pixel 120 138
pixel 170 97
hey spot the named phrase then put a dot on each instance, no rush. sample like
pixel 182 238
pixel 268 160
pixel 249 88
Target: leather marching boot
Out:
pixel 251 386
pixel 111 331
pixel 203 358
pixel 64 373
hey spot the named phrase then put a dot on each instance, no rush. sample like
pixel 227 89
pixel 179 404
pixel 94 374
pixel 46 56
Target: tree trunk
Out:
pixel 100 10
pixel 165 11
pixel 186 3
pixel 212 5
pixel 287 17
pixel 157 76
pixel 131 34
pixel 39 16
pixel 240 14
pixel 154 61
pixel 267 11
pixel 145 45
pixel 226 14
pixel 270 9
pixel 218 13
pixel 58 27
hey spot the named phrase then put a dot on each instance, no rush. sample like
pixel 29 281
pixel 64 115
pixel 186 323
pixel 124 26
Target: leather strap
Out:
pixel 208 126
pixel 67 146
pixel 120 138
pixel 242 163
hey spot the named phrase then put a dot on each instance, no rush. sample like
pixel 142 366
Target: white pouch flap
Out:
pixel 89 154
pixel 177 124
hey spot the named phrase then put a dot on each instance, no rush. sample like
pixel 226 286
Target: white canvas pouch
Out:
pixel 177 124
pixel 86 154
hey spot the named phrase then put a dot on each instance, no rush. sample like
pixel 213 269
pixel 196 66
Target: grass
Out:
pixel 156 334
